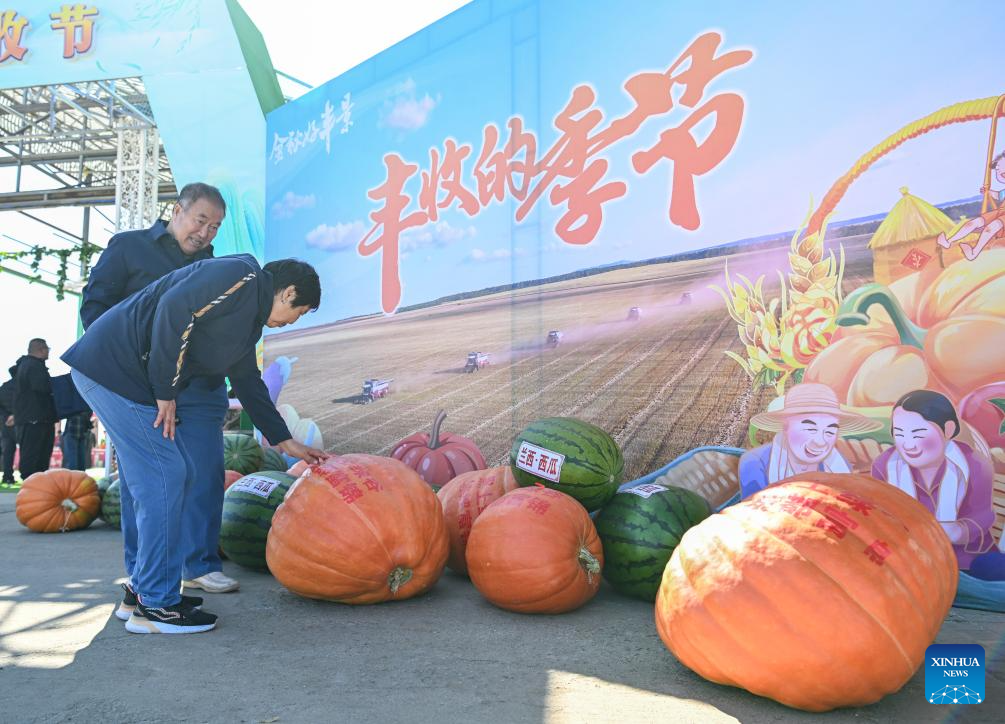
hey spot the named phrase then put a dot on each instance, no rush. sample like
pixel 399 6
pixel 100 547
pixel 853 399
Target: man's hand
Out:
pixel 308 454
pixel 166 414
pixel 9 422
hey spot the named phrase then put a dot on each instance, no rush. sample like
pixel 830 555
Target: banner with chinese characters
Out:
pixel 198 85
pixel 773 235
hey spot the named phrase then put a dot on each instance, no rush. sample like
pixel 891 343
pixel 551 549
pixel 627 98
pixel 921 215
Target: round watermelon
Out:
pixel 272 459
pixel 111 507
pixel 640 528
pixel 571 456
pixel 241 453
pixel 103 484
pixel 248 506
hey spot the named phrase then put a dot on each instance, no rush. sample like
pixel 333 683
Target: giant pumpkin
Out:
pixel 946 335
pixel 57 501
pixel 463 500
pixel 358 529
pixel 821 591
pixel 535 550
pixel 438 457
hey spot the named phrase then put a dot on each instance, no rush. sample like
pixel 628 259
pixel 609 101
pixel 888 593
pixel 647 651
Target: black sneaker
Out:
pixel 129 601
pixel 177 619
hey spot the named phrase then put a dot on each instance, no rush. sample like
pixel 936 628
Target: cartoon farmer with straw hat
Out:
pixel 807 425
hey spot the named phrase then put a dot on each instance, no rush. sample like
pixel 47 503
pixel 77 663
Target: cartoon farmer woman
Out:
pixel 949 478
pixel 807 425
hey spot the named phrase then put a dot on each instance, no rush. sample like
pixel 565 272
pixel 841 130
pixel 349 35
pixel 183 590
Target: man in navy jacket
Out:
pixel 133 260
pixel 134 364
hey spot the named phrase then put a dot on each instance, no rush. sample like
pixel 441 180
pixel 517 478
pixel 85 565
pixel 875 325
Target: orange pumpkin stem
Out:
pixel 398 578
pixel 855 311
pixel 434 436
pixel 589 563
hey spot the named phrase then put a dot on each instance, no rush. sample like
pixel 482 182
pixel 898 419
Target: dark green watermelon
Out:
pixel 640 528
pixel 111 507
pixel 571 456
pixel 248 507
pixel 242 453
pixel 272 459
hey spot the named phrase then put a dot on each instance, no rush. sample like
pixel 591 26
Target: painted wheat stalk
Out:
pixel 782 335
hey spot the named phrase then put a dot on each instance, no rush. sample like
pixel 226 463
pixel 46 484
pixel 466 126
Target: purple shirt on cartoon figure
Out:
pixel 960 493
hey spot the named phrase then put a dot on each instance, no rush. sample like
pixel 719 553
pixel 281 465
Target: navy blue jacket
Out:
pixel 132 260
pixel 202 320
pixel 33 392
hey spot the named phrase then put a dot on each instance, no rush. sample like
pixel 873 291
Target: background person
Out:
pixel 8 438
pixel 34 409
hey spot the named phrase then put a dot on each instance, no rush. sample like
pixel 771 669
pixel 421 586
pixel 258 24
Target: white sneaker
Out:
pixel 214 582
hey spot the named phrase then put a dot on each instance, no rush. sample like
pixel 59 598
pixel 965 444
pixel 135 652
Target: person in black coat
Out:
pixel 8 438
pixel 34 410
pixel 135 361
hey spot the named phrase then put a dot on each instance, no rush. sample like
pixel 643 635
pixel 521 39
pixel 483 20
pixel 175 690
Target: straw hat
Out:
pixel 810 398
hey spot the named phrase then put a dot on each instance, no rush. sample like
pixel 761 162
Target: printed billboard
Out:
pixel 743 243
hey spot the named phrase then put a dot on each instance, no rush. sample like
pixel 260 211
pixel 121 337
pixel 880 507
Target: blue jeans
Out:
pixel 76 452
pixel 201 411
pixel 159 470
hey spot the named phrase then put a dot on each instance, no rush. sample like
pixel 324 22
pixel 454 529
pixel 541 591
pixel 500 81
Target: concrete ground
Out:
pixel 446 657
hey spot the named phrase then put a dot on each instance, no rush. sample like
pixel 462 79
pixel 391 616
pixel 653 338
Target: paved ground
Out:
pixel 446 657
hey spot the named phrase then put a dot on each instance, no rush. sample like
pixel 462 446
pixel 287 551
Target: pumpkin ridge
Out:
pixel 840 586
pixel 738 640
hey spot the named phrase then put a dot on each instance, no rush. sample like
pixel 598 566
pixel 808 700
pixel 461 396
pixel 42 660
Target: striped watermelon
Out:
pixel 640 528
pixel 241 453
pixel 571 456
pixel 248 506
pixel 111 508
pixel 272 459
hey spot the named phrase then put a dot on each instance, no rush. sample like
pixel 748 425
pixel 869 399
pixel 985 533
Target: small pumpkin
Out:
pixel 821 591
pixel 57 501
pixel 358 529
pixel 535 550
pixel 230 477
pixel 438 457
pixel 463 500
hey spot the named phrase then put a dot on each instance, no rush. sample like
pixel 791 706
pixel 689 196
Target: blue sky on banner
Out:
pixel 814 103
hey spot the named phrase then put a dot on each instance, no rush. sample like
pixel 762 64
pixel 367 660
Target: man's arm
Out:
pixel 179 309
pixel 246 379
pixel 107 283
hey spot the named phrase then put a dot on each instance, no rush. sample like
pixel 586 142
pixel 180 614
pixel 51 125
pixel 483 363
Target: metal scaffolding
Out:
pixel 94 143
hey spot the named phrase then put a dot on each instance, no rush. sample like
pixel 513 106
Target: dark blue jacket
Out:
pixel 202 320
pixel 33 401
pixel 132 260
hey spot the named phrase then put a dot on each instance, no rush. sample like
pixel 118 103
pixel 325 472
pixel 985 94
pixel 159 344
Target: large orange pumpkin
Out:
pixel 438 457
pixel 535 550
pixel 358 529
pixel 463 500
pixel 57 501
pixel 941 332
pixel 821 591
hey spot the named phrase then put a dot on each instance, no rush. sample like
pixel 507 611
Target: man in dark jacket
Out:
pixel 132 261
pixel 8 438
pixel 134 364
pixel 34 409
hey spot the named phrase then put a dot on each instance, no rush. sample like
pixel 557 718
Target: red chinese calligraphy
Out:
pixel 570 172
pixel 350 493
pixel 75 20
pixel 835 521
pixel 11 29
pixel 916 259
pixel 878 551
pixel 538 506
pixel 857 504
pixel 542 463
pixel 389 220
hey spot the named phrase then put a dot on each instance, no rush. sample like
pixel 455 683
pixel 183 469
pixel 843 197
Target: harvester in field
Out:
pixel 635 314
pixel 374 390
pixel 476 360
pixel 685 298
pixel 554 338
